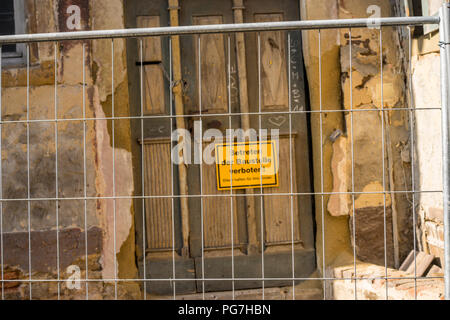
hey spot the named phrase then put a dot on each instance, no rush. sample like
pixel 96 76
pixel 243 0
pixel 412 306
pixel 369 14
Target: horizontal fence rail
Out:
pixel 218 28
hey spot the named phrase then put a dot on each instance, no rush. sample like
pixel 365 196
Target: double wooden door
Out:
pixel 250 235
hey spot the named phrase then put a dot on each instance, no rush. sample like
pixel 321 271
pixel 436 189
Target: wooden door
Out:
pixel 226 233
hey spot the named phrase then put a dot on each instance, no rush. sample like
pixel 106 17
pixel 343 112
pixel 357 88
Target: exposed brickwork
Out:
pixel 48 290
pixel 369 235
pixel 375 289
pixel 434 235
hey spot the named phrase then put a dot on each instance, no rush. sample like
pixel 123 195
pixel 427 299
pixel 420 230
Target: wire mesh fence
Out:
pixel 193 236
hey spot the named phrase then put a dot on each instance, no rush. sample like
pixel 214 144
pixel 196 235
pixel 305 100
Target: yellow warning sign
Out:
pixel 250 167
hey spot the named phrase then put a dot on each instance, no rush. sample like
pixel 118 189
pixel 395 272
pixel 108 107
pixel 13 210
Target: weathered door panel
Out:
pixel 218 224
pixel 281 63
pixel 158 219
pixel 217 212
pixel 278 212
pixel 158 210
pixel 213 57
pixel 210 60
pixel 213 66
pixel 154 91
pixel 274 80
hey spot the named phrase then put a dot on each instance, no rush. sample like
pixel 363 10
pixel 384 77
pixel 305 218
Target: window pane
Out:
pixel 7 25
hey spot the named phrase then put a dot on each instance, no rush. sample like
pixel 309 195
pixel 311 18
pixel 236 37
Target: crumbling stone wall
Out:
pixel 369 92
pixel 368 153
pixel 65 225
pixel 370 284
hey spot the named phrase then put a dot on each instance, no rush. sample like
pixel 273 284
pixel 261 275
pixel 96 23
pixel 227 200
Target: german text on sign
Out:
pixel 244 165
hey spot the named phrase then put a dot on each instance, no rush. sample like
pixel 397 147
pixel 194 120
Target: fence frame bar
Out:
pixel 444 34
pixel 218 28
pixel 444 26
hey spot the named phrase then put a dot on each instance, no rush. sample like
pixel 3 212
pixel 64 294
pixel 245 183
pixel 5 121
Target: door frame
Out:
pixel 187 268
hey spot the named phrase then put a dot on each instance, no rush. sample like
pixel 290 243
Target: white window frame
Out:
pixel 427 28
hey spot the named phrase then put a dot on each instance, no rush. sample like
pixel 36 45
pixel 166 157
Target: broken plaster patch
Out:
pixel 372 196
pixel 115 216
pixel 338 204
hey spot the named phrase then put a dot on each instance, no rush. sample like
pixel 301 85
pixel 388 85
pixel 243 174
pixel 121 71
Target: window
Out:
pixel 7 23
pixel 12 21
pixel 423 8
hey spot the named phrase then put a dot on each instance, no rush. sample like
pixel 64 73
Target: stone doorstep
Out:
pixel 420 261
pixel 279 293
pixel 435 271
pixel 369 288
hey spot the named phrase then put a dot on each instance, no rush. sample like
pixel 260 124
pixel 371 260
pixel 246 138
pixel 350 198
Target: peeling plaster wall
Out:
pixel 110 226
pixel 111 17
pixel 117 219
pixel 428 143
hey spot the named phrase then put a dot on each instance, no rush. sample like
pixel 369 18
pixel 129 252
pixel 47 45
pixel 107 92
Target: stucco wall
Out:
pixel 428 142
pixel 110 231
pixel 337 243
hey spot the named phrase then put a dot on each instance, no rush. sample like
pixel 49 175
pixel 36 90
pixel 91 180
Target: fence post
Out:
pixel 444 34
